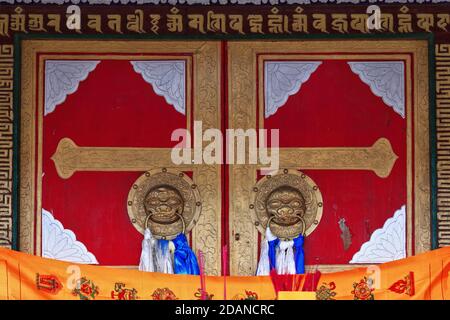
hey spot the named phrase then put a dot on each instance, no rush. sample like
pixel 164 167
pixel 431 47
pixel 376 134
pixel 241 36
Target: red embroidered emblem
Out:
pixel 249 295
pixel 326 291
pixel 406 285
pixel 48 283
pixel 362 290
pixel 198 295
pixel 122 293
pixel 164 294
pixel 85 289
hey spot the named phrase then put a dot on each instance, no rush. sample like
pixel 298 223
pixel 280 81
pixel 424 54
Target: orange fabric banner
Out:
pixel 24 276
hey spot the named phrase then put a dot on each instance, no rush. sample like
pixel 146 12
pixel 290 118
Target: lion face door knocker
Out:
pixel 165 201
pixel 286 207
pixel 165 205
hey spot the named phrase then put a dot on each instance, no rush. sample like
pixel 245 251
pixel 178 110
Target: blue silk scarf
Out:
pixel 299 255
pixel 185 261
pixel 272 252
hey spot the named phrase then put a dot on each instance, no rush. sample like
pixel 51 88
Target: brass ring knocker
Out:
pixel 301 220
pixel 178 215
pixel 182 221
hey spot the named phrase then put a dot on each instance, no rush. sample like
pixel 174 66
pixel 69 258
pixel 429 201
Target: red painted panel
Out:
pixel 114 106
pixel 334 108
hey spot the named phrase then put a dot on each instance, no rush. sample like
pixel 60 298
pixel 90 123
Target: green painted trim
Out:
pixel 18 38
pixel 16 145
pixel 433 142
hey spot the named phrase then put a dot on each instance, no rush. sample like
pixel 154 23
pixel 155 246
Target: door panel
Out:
pixel 114 102
pixel 332 122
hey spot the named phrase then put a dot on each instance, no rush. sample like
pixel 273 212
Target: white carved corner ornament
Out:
pixel 62 78
pixel 283 79
pixel 61 244
pixel 387 243
pixel 386 79
pixel 167 77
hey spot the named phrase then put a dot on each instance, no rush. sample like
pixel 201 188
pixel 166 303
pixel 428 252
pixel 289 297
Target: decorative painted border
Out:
pixel 6 145
pixel 222 2
pixel 252 21
pixel 443 143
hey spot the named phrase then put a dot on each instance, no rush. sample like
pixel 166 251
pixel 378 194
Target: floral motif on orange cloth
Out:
pixel 85 289
pixel 326 291
pixel 198 295
pixel 405 285
pixel 48 283
pixel 249 295
pixel 164 294
pixel 362 290
pixel 122 293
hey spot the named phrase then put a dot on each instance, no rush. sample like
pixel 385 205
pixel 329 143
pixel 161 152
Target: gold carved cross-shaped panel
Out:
pixel 70 158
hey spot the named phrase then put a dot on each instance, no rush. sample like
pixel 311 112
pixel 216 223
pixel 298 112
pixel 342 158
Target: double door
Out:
pixel 345 113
